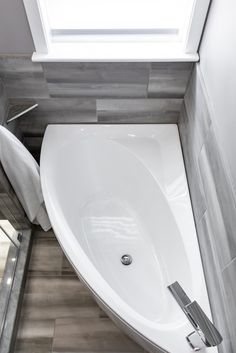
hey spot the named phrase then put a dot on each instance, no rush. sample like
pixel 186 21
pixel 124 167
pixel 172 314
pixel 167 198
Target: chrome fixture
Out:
pixel 14 117
pixel 205 334
pixel 126 259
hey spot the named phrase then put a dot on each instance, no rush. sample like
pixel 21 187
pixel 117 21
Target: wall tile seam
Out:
pixel 189 79
pixel 191 194
pixel 190 114
pixel 213 246
pixel 197 155
pixel 212 241
pixel 229 264
pixel 215 128
pixel 212 129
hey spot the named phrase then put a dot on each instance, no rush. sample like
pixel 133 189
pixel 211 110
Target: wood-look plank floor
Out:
pixel 59 315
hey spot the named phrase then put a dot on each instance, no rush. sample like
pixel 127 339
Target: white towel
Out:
pixel 23 172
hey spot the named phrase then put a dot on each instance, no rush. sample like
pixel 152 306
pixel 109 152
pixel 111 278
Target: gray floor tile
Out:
pixel 46 257
pixel 34 345
pixel 90 335
pixel 60 311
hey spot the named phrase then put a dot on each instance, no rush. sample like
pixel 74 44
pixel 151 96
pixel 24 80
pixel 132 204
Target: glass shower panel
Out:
pixel 4 248
pixel 9 246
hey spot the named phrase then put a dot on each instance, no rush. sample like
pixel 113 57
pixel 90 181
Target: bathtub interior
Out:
pixel 124 215
pixel 126 193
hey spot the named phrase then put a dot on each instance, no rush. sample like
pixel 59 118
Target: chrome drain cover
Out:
pixel 126 259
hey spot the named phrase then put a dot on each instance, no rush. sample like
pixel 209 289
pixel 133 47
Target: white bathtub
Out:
pixel 112 190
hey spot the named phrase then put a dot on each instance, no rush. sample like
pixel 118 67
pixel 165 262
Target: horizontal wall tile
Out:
pixel 97 79
pixel 107 72
pixel 58 111
pixel 23 78
pixel 172 66
pixel 18 63
pixel 91 335
pixel 168 80
pixel 138 110
pixel 98 90
pixel 110 111
pixel 67 92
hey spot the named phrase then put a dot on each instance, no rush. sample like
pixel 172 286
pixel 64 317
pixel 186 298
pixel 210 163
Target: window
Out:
pixel 116 29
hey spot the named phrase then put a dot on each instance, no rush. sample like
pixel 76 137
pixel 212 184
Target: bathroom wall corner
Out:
pixel 213 203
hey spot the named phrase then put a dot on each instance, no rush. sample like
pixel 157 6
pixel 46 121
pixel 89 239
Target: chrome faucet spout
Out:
pixel 204 328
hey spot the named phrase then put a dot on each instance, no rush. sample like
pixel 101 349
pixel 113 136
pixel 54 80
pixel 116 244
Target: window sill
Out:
pixel 112 52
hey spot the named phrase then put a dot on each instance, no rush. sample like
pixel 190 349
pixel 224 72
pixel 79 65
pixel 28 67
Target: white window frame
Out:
pixel 46 51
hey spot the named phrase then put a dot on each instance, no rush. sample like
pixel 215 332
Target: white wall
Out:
pixel 15 36
pixel 218 68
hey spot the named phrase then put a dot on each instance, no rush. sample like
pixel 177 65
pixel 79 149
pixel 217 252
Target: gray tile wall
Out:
pixel 3 102
pixel 10 207
pixel 144 93
pixel 93 92
pixel 213 204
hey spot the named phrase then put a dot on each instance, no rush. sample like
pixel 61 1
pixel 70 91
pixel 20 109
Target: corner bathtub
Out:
pixel 112 190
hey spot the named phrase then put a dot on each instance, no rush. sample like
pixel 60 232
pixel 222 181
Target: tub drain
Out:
pixel 126 260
